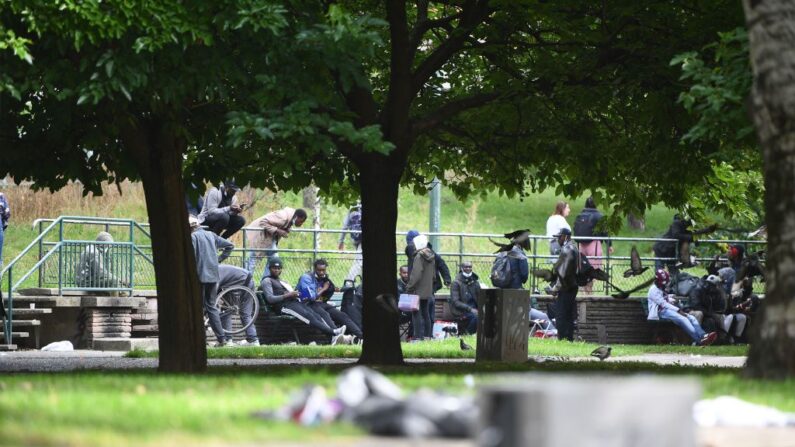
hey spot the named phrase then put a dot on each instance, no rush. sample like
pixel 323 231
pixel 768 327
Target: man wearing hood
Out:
pixel 221 212
pixel 565 286
pixel 205 251
pixel 421 284
pixel 463 298
pixel 92 271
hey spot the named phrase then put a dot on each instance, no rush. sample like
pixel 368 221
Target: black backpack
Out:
pixel 501 274
pixel 584 225
pixel 584 269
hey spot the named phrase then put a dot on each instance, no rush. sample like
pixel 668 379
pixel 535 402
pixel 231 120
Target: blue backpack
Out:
pixel 355 225
pixel 501 273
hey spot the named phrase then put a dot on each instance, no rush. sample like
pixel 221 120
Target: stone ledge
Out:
pixel 125 344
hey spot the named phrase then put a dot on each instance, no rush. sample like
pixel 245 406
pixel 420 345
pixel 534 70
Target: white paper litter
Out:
pixel 727 411
pixel 59 346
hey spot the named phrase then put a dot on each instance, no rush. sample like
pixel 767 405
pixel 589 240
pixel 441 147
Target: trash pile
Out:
pixel 727 411
pixel 369 400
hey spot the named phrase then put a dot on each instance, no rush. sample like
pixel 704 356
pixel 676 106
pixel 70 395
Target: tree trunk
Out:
pixel 379 185
pixel 158 155
pixel 771 30
pixel 636 223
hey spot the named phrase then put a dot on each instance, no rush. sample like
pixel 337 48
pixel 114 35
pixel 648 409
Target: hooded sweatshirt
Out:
pixel 424 269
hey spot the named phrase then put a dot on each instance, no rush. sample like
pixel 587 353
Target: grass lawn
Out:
pixel 449 349
pixel 147 408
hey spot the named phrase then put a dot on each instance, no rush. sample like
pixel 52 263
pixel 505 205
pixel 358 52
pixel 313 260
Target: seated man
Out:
pixel 92 271
pixel 661 307
pixel 463 298
pixel 283 299
pixel 232 276
pixel 314 289
pixel 708 304
pixel 402 283
pixel 221 212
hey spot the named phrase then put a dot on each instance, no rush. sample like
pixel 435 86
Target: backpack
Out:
pixel 355 224
pixel 584 269
pixel 501 273
pixel 584 225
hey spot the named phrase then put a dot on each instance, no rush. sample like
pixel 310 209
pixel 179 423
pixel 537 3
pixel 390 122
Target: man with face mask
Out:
pixel 463 298
pixel 314 289
pixel 92 271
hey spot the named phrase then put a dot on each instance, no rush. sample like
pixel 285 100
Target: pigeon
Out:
pixel 602 352
pixel 625 294
pixel 464 346
pixel 635 266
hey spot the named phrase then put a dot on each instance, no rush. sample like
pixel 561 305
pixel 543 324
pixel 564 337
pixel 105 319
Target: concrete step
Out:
pixel 46 301
pixel 15 335
pixel 25 323
pixel 125 344
pixel 7 347
pixel 27 312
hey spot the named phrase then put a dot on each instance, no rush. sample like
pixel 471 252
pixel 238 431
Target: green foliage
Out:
pixel 719 78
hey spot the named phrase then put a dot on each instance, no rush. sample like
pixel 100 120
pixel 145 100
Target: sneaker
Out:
pixel 340 330
pixel 708 339
pixel 347 339
pixel 337 338
pixel 248 343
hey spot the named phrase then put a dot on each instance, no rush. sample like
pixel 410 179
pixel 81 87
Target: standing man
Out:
pixel 265 232
pixel 565 287
pixel 205 248
pixel 232 276
pixel 420 283
pixel 463 298
pixel 220 211
pixel 5 214
pixel 353 223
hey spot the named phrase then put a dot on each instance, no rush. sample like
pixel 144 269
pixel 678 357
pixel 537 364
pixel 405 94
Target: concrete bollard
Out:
pixel 587 411
pixel 503 325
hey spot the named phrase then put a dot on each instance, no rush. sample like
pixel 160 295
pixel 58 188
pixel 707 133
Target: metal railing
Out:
pixel 56 256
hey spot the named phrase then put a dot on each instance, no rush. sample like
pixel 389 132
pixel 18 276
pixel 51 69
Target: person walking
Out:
pixel 421 284
pixel 221 212
pixel 264 234
pixel 584 228
pixel 555 222
pixel 205 249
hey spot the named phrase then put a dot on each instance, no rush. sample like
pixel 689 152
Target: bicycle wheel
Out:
pixel 238 307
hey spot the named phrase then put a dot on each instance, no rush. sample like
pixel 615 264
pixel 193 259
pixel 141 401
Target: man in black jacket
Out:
pixel 463 298
pixel 565 287
pixel 679 230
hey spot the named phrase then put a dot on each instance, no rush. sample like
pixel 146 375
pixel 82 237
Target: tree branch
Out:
pixel 471 16
pixel 447 111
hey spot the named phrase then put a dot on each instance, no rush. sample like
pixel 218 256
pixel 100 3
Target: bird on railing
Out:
pixel 635 266
pixel 602 352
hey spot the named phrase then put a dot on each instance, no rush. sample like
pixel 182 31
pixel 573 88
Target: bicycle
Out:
pixel 234 305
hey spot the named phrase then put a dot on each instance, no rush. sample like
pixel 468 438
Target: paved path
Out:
pixel 38 361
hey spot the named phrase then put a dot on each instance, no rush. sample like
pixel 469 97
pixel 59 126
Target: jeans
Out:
pixel 251 331
pixel 566 314
pixel 470 323
pixel 688 323
pixel 209 297
pixel 421 320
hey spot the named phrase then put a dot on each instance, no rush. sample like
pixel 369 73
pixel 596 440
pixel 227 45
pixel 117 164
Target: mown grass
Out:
pixel 449 349
pixel 149 408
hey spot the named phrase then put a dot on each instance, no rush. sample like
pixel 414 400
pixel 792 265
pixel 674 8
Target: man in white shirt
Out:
pixel 661 307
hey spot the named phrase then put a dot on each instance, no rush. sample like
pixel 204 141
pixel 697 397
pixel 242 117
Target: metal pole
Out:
pixel 40 254
pixel 60 258
pixel 132 258
pixel 460 250
pixel 435 212
pixel 533 279
pixel 10 311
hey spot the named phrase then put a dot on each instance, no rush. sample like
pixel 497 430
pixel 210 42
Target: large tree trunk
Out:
pixel 771 26
pixel 158 155
pixel 379 183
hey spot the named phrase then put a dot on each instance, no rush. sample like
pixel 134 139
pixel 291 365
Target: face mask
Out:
pixel 466 275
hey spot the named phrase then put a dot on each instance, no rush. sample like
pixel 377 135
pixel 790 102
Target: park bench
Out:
pixel 275 328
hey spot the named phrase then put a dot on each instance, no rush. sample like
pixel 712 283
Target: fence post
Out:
pixel 245 265
pixel 533 279
pixel 9 327
pixel 132 257
pixel 314 246
pixel 460 250
pixel 60 257
pixel 607 265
